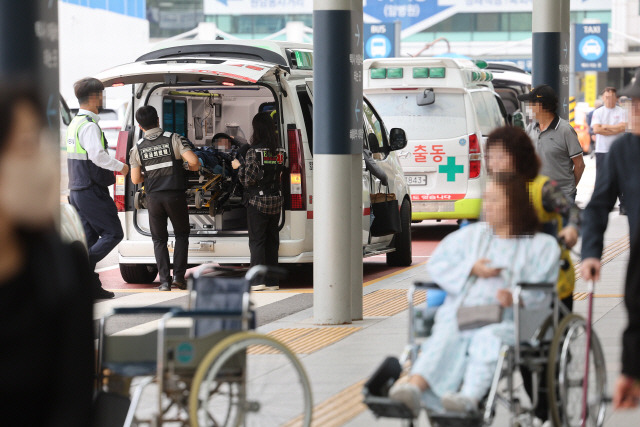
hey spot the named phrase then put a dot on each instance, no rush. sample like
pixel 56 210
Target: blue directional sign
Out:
pixel 591 52
pixel 380 40
pixel 408 12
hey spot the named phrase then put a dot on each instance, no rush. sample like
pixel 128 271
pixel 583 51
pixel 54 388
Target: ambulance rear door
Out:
pixel 436 159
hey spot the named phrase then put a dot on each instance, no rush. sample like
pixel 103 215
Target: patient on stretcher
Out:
pixel 479 265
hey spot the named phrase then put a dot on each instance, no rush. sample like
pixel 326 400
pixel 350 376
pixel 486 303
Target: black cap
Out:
pixel 632 90
pixel 543 94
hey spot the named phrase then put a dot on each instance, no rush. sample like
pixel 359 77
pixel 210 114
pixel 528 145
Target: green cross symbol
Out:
pixel 451 169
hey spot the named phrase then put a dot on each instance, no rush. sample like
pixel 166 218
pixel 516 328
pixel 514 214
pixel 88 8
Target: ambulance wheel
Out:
pixel 401 257
pixel 199 199
pixel 138 273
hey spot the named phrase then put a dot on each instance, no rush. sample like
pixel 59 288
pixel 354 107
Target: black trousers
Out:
pixel 99 217
pixel 264 238
pixel 171 205
pixel 600 157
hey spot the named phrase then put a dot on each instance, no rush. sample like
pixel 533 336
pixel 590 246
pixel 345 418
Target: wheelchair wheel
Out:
pixel 255 373
pixel 565 374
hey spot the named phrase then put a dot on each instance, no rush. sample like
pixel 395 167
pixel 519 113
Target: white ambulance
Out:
pixel 204 88
pixel 447 108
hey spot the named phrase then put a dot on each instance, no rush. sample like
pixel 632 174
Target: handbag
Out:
pixel 386 214
pixel 480 315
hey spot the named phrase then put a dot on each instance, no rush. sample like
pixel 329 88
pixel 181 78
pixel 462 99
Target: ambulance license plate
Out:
pixel 416 179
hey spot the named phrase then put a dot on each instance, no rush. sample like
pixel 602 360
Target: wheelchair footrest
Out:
pixel 451 419
pixel 385 407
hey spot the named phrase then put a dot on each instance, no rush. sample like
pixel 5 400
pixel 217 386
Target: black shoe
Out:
pixel 164 286
pixel 179 283
pixel 102 293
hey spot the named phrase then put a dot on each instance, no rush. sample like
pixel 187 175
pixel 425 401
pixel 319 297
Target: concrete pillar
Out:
pixel 551 43
pixel 295 31
pixel 356 237
pixel 29 51
pixel 337 135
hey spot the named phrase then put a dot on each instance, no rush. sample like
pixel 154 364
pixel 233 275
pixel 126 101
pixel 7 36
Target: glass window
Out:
pixel 307 113
pixel 373 125
pixel 487 111
pixel 244 24
pixel 602 16
pixel 519 21
pixel 487 22
pixel 445 118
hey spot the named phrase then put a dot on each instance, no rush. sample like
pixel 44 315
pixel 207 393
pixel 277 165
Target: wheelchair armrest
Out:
pixel 227 314
pixel 146 310
pixel 426 285
pixel 537 286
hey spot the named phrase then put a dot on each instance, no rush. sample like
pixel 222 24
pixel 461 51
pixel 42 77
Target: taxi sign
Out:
pixel 591 52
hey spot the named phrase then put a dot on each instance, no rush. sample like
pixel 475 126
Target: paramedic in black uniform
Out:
pixel 260 176
pixel 157 160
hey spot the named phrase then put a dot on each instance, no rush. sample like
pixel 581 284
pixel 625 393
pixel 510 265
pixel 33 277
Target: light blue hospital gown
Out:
pixel 449 356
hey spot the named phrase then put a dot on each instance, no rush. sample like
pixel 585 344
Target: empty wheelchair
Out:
pixel 201 366
pixel 548 353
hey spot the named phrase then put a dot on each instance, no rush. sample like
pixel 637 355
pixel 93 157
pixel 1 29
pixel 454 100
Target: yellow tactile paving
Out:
pixel 609 253
pixel 306 340
pixel 336 410
pixel 581 296
pixel 388 302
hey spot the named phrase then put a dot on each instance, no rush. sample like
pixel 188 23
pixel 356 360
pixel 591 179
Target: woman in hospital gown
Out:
pixel 480 264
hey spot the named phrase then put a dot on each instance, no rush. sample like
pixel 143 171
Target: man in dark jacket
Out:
pixel 620 174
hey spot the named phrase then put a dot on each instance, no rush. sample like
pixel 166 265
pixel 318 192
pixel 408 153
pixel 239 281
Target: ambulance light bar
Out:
pixel 394 73
pixel 481 76
pixel 418 73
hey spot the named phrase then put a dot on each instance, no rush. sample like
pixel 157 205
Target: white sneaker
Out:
pixel 455 402
pixel 408 394
pixel 271 288
pixel 258 287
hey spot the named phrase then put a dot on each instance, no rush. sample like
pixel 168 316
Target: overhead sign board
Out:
pixel 257 7
pixel 591 53
pixel 381 40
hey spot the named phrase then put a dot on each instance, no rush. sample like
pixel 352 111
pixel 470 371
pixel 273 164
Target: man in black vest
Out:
pixel 157 160
pixel 90 176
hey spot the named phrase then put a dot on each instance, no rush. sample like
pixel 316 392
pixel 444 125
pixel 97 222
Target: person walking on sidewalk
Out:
pixel 260 176
pixel 608 123
pixel 619 174
pixel 555 140
pixel 91 173
pixel 160 155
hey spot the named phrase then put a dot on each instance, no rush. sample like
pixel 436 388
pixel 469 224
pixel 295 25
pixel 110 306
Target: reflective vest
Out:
pixel 271 167
pixel 552 224
pixel 83 173
pixel 162 171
